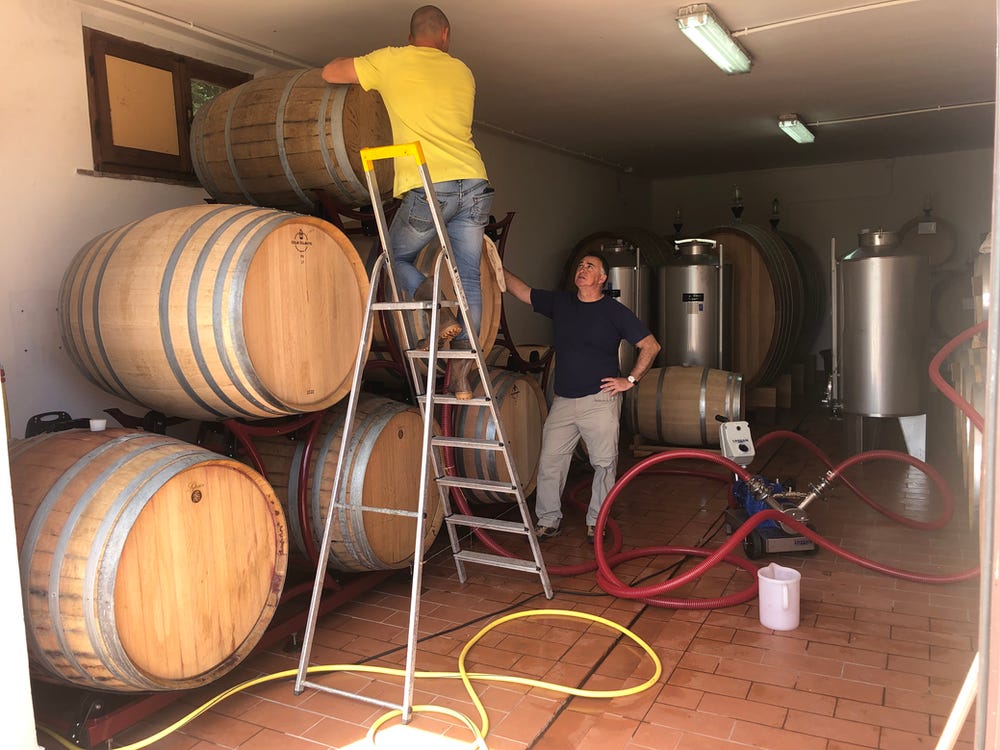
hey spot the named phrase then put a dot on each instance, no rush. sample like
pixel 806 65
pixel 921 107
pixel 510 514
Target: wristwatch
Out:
pixel 632 379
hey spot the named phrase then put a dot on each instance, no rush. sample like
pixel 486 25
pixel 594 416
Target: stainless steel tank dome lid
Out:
pixel 694 251
pixel 876 243
pixel 694 245
pixel 620 253
pixel 878 238
pixel 617 246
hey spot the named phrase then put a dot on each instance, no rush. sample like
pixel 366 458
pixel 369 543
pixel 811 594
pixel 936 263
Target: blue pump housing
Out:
pixel 744 498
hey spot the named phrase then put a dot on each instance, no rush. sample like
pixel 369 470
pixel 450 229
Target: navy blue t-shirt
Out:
pixel 587 335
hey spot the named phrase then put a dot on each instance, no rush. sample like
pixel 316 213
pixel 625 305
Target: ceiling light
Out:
pixel 794 129
pixel 700 25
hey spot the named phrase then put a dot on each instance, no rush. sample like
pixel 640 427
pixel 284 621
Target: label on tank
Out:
pixel 694 303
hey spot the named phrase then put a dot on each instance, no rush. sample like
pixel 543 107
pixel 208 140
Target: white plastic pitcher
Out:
pixel 778 597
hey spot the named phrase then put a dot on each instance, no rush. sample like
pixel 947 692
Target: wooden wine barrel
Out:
pixel 538 358
pixel 815 295
pixel 147 563
pixel 274 140
pixel 929 236
pixel 490 286
pixel 951 303
pixel 213 311
pixel 417 322
pixel 769 303
pixel 382 470
pixel 678 405
pixel 521 407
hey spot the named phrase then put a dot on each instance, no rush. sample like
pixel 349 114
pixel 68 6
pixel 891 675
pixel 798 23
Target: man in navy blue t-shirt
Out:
pixel 588 328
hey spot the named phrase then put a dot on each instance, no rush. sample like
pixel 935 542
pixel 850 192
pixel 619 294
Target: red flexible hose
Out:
pixel 947 500
pixel 935 372
pixel 651 594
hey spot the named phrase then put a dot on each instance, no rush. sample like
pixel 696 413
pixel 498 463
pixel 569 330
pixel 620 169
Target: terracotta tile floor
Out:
pixel 876 661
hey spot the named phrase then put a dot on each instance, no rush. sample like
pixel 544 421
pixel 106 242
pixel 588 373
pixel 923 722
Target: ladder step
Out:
pixel 484 558
pixel 441 398
pixel 413 305
pixel 377 509
pixel 471 443
pixel 493 524
pixel 477 484
pixel 441 353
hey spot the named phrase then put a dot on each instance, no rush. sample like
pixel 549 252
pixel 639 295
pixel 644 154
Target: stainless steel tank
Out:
pixel 630 282
pixel 688 306
pixel 885 301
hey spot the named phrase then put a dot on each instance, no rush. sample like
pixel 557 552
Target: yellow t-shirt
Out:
pixel 430 97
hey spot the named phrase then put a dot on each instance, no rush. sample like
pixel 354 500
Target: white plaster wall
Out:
pixel 838 201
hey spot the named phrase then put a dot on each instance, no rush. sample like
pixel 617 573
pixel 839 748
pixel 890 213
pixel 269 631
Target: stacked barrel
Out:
pixel 149 563
pixel 217 311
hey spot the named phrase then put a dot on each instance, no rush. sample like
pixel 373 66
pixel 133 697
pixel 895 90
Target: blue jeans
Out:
pixel 465 207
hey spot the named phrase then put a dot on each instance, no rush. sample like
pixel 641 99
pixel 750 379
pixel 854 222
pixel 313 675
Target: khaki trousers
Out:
pixel 594 418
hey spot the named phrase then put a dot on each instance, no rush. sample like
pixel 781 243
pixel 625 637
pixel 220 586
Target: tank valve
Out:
pixel 815 490
pixel 830 399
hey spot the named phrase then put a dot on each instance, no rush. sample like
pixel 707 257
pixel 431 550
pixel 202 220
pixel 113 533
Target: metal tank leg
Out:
pixel 915 435
pixel 854 430
pixel 914 429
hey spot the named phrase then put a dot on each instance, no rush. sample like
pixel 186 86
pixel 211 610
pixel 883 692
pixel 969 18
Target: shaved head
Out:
pixel 428 22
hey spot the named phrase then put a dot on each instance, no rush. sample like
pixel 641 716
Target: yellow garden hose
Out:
pixel 479 732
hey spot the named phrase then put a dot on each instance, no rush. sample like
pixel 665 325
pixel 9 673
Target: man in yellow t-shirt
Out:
pixel 430 97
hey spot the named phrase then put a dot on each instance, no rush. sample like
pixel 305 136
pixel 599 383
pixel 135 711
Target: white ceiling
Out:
pixel 619 82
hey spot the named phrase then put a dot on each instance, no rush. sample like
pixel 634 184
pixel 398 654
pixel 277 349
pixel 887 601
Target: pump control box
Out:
pixel 736 442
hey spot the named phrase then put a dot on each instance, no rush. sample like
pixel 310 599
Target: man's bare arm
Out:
pixel 517 287
pixel 340 70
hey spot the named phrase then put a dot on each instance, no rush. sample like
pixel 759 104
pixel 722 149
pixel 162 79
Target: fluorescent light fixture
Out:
pixel 794 129
pixel 701 26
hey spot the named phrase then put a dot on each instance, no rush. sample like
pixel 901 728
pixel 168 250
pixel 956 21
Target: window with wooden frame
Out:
pixel 142 101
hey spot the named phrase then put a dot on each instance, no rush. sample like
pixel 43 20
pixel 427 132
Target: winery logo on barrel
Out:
pixel 302 243
pixel 195 489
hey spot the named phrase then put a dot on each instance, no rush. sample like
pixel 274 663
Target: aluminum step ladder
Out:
pixel 423 385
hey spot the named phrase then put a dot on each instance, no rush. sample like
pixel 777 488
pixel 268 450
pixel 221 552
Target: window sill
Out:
pixel 140 177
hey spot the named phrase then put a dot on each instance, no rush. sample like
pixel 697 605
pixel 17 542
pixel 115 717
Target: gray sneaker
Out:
pixel 546 532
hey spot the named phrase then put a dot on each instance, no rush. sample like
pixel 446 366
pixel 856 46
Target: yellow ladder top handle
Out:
pixel 371 155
